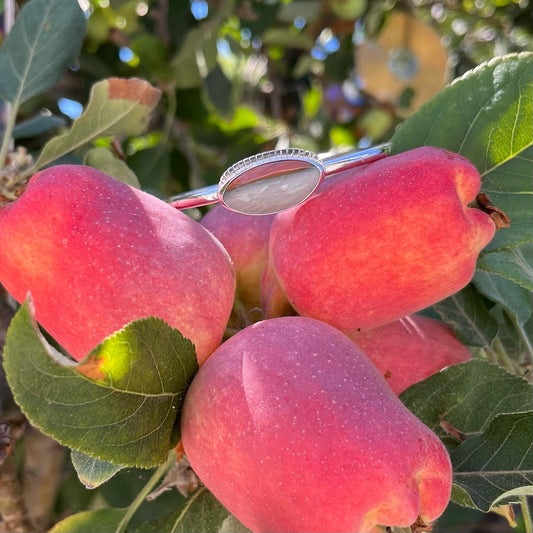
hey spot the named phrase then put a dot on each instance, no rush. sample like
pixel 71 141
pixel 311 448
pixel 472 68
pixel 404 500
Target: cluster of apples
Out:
pixel 294 422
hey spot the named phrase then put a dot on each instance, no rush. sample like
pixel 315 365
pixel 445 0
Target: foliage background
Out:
pixel 238 77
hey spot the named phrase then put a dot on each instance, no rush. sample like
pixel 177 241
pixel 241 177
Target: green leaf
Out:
pixel 509 188
pixel 514 339
pixel 498 463
pixel 515 264
pixel 309 9
pixel 116 106
pixel 45 39
pixel 219 92
pixel 37 126
pixel 486 116
pixel 119 404
pixel 152 53
pixel 514 298
pixel 91 471
pixel 99 521
pixel 152 166
pixel 196 58
pixel 468 396
pixel 104 160
pixel 201 512
pixel 467 313
pixel 286 38
pixel 198 50
pixel 486 404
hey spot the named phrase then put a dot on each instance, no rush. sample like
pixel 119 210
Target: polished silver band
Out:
pixel 325 164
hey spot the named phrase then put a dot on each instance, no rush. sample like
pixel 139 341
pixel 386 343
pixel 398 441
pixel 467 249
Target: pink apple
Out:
pixel 96 254
pixel 293 429
pixel 245 238
pixel 411 349
pixel 386 241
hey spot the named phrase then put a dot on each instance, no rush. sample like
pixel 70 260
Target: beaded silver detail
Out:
pixel 284 154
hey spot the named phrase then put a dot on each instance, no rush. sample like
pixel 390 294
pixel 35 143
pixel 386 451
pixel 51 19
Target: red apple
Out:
pixel 383 242
pixel 245 238
pixel 96 254
pixel 293 429
pixel 411 349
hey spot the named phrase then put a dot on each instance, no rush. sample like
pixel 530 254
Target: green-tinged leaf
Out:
pixel 219 92
pixel 486 116
pixel 461 497
pixel 119 404
pixel 309 9
pixel 514 339
pixel 201 512
pixel 514 298
pixel 91 471
pixel 152 166
pixel 198 51
pixel 196 58
pixel 152 53
pixel 116 106
pixel 312 102
pixel 514 264
pixel 37 126
pixel 510 254
pixel 467 396
pixel 99 521
pixel 498 463
pixel 232 525
pixel 467 313
pixel 104 160
pixel 286 38
pixel 485 405
pixel 45 39
pixel 509 187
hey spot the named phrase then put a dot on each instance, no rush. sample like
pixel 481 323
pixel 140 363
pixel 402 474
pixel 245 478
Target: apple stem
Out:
pixel 147 489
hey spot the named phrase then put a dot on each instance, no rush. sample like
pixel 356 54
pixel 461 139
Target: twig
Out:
pixel 42 475
pixel 12 508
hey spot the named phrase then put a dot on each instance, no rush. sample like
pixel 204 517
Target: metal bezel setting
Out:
pixel 284 154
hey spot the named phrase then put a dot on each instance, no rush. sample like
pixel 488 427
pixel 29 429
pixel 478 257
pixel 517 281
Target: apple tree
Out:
pixel 361 361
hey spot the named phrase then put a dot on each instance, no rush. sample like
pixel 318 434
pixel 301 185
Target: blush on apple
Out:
pixel 293 429
pixel 411 349
pixel 245 238
pixel 383 242
pixel 96 254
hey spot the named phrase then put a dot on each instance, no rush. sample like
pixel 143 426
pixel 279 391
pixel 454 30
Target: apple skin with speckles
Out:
pixel 96 254
pixel 293 429
pixel 411 349
pixel 245 238
pixel 379 242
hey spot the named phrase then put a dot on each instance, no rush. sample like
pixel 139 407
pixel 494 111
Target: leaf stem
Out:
pixel 169 115
pixel 11 119
pixel 139 499
pixel 503 356
pixel 525 340
pixel 526 513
